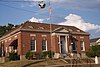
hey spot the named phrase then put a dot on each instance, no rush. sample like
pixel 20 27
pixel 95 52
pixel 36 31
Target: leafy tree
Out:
pixel 93 51
pixel 6 28
pixel 9 26
pixel 2 30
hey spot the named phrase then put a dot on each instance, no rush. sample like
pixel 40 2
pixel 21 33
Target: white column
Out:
pixel 59 44
pixel 35 45
pixel 66 44
pixel 46 46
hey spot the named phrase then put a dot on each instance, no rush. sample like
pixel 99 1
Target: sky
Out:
pixel 84 14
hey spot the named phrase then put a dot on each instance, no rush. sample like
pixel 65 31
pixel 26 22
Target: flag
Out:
pixel 50 9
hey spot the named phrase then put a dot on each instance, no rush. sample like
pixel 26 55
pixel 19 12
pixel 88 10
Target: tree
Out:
pixel 9 26
pixel 2 30
pixel 6 28
pixel 93 51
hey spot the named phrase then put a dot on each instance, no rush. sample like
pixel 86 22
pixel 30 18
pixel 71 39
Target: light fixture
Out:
pixel 42 4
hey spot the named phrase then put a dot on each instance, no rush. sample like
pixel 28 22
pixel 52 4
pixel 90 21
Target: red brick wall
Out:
pixel 86 42
pixel 55 45
pixel 24 42
pixel 25 37
pixel 10 39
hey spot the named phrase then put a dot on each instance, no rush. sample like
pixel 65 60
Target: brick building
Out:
pixel 38 37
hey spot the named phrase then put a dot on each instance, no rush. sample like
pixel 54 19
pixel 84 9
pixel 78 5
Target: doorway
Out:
pixel 62 44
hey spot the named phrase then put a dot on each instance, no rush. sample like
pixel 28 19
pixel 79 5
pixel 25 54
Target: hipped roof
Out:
pixel 44 27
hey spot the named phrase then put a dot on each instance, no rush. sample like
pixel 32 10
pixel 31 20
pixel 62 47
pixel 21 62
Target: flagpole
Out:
pixel 50 13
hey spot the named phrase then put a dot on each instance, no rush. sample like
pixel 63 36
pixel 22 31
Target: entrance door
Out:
pixel 62 44
pixel 74 46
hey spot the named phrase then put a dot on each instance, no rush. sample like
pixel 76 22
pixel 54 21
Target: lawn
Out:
pixel 44 63
pixel 32 63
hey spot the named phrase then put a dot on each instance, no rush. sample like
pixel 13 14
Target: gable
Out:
pixel 60 29
pixel 94 40
pixel 98 41
pixel 63 30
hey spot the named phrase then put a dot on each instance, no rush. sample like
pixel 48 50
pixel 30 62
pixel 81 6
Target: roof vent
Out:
pixel 41 28
pixel 78 30
pixel 30 27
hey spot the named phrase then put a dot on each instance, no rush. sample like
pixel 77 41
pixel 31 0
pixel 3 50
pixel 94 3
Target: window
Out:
pixel 82 45
pixel 33 45
pixel 44 45
pixel 74 46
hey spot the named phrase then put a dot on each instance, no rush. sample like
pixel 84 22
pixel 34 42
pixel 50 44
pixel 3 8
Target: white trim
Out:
pixel 35 47
pixel 81 37
pixel 44 35
pixel 46 45
pixel 33 35
pixel 66 44
pixel 98 41
pixel 59 45
pixel 6 38
pixel 83 45
pixel 15 36
pixel 53 34
pixel 60 34
pixel 9 39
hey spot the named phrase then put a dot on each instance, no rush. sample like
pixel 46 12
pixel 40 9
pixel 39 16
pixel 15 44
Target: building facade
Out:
pixel 95 41
pixel 38 37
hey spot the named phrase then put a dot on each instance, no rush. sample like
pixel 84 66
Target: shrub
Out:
pixel 38 56
pixel 13 56
pixel 50 54
pixel 93 51
pixel 90 53
pixel 29 55
pixel 42 55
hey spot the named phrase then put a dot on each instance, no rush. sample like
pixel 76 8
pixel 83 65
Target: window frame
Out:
pixel 33 45
pixel 82 45
pixel 45 45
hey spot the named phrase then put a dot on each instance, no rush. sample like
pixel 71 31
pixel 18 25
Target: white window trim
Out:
pixel 46 47
pixel 83 46
pixel 35 47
